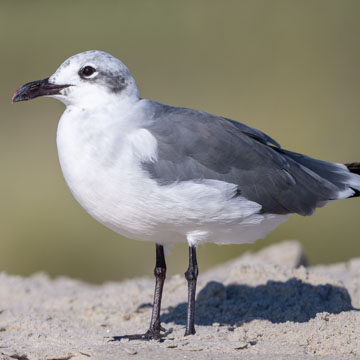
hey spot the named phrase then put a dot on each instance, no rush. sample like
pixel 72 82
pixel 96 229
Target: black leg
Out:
pixel 191 277
pixel 155 327
pixel 160 274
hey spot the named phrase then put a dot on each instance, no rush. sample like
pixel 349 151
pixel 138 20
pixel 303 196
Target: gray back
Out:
pixel 194 145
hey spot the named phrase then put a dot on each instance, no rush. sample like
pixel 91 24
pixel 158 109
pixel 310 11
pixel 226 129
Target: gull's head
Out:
pixel 84 79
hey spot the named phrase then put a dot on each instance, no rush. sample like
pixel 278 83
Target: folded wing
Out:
pixel 194 145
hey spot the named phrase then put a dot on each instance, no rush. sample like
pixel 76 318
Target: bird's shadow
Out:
pixel 275 301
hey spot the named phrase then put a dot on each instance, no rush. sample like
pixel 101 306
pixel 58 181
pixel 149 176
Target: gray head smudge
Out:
pixel 115 82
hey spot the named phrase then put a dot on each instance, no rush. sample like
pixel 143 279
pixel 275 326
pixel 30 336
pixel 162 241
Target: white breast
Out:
pixel 101 166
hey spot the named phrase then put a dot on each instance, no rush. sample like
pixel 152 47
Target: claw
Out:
pixel 149 335
pixel 190 332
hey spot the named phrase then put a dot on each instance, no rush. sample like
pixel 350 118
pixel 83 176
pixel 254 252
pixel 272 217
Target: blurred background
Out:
pixel 289 68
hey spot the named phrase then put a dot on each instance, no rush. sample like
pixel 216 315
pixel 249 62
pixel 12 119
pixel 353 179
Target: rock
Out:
pixel 287 253
pixel 130 351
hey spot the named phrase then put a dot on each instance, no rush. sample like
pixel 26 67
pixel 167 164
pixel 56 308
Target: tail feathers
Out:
pixel 355 169
pixel 346 177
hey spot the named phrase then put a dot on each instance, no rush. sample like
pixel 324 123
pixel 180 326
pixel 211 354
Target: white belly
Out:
pixel 102 166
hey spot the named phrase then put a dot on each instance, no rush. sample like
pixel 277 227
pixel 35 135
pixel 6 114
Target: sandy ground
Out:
pixel 260 306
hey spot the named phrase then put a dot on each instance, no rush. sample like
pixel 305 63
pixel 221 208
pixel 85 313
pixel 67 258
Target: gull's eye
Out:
pixel 86 71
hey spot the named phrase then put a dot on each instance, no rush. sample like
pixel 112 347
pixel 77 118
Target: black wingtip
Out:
pixel 354 167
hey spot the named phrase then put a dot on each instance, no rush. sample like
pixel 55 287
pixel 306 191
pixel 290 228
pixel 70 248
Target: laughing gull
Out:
pixel 165 174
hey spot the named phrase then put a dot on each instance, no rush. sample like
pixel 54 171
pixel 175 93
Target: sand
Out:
pixel 266 305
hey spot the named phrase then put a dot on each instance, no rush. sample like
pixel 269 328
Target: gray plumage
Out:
pixel 194 145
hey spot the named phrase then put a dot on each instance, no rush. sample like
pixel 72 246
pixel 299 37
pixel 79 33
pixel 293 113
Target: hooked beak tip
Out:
pixel 13 99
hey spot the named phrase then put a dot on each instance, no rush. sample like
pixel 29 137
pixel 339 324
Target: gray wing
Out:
pixel 196 145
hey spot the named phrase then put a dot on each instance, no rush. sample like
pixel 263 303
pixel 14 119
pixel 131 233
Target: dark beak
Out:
pixel 34 89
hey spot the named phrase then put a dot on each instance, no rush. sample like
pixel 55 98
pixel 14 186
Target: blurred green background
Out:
pixel 289 68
